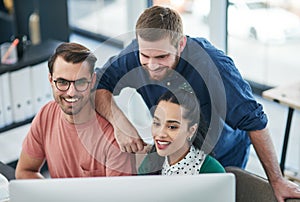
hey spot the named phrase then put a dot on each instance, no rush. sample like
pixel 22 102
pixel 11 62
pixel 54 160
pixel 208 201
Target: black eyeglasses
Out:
pixel 64 85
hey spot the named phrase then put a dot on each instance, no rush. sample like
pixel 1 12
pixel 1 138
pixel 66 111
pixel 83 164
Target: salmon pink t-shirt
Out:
pixel 81 150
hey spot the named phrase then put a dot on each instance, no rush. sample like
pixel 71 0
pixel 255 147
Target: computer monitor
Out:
pixel 204 187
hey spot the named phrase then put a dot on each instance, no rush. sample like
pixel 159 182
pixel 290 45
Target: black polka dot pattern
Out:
pixel 189 165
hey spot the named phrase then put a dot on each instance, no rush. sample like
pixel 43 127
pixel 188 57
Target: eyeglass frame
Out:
pixel 69 84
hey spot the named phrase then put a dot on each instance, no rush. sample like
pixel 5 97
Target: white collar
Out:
pixel 189 165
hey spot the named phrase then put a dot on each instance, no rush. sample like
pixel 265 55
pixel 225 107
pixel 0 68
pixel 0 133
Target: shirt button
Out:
pixel 168 83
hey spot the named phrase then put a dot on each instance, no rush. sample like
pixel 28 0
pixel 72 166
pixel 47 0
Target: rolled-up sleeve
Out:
pixel 243 111
pixel 112 75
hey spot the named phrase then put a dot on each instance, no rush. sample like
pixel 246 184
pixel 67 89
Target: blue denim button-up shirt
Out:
pixel 225 97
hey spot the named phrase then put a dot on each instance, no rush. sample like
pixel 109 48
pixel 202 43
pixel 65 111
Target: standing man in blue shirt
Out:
pixel 162 58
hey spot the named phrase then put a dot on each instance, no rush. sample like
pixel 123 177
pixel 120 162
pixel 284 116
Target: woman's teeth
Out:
pixel 163 142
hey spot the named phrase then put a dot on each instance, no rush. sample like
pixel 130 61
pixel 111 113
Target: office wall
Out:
pixel 53 18
pixel 6 23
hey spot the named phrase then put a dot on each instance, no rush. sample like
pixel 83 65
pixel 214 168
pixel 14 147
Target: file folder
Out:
pixel 2 121
pixel 21 94
pixel 41 89
pixel 6 98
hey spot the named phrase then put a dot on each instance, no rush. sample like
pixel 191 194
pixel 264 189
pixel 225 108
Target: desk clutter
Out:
pixel 12 51
pixel 9 52
pixel 24 86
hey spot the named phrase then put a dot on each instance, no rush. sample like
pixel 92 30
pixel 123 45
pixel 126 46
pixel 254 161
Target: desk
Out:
pixel 288 95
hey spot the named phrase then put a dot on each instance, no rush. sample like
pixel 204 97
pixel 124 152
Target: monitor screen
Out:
pixel 204 187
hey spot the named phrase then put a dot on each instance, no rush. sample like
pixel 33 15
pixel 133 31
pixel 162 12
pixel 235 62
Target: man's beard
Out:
pixel 168 71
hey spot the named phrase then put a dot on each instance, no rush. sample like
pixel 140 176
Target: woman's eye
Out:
pixel 173 127
pixel 155 124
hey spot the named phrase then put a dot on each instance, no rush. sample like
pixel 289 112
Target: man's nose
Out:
pixel 72 90
pixel 152 64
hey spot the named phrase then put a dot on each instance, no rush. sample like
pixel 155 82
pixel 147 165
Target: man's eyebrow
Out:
pixel 158 56
pixel 61 78
pixel 155 117
pixel 144 55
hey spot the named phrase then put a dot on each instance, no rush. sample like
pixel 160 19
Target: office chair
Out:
pixel 251 187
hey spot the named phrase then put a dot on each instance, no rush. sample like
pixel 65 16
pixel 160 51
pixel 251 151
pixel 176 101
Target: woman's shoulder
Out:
pixel 211 165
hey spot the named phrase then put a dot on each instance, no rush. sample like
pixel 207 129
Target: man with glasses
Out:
pixel 67 133
pixel 162 58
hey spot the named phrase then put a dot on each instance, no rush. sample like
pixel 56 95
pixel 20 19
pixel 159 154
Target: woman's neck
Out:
pixel 179 155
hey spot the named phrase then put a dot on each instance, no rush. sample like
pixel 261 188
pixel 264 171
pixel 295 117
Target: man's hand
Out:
pixel 284 189
pixel 125 133
pixel 129 140
pixel 262 142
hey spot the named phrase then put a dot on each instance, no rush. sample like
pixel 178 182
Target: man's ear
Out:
pixel 94 78
pixel 181 44
pixel 50 78
pixel 93 84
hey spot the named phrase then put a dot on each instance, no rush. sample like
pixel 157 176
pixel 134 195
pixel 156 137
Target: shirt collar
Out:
pixel 190 164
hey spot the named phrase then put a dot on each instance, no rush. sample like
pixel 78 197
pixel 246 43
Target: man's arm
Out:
pixel 28 168
pixel 125 133
pixel 264 148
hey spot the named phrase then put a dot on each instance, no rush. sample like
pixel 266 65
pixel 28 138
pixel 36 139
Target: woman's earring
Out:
pixel 189 139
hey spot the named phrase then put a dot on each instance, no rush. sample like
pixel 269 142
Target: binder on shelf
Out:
pixel 41 89
pixel 6 98
pixel 21 94
pixel 2 120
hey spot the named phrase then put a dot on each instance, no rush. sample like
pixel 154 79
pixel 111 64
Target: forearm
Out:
pixel 106 106
pixel 264 148
pixel 28 167
pixel 125 133
pixel 28 174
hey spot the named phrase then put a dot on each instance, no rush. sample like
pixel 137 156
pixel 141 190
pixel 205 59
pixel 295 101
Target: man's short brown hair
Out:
pixel 75 53
pixel 159 22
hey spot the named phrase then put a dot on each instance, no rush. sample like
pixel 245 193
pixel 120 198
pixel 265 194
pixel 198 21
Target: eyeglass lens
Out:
pixel 64 85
